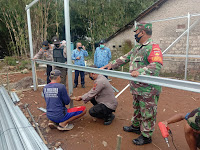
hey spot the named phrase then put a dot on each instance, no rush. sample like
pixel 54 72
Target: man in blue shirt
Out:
pixel 56 98
pixel 102 55
pixel 78 56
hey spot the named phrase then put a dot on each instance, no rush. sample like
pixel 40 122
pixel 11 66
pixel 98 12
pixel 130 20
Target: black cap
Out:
pixel 46 43
pixel 102 42
pixel 55 40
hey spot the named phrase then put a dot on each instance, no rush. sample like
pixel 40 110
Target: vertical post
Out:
pixel 31 49
pixel 135 25
pixel 187 47
pixel 68 42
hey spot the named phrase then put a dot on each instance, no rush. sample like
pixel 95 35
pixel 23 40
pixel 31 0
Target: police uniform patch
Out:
pixel 94 87
pixel 156 54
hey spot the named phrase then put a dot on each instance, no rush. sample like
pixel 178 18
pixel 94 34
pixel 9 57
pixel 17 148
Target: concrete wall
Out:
pixel 164 33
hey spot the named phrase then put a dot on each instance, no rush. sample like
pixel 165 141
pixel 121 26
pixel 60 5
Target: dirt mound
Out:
pixel 25 83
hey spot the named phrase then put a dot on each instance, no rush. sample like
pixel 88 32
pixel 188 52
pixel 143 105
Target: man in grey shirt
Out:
pixel 102 97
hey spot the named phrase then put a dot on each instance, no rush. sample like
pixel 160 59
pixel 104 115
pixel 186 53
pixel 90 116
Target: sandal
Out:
pixel 53 125
pixel 66 128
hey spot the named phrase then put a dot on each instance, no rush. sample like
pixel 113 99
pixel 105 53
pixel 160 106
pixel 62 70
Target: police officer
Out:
pixel 59 55
pixel 144 59
pixel 102 97
pixel 47 54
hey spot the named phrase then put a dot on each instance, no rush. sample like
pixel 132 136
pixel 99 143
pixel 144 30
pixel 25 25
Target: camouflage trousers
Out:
pixel 145 110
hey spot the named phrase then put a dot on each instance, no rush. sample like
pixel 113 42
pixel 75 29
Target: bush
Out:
pixel 23 64
pixel 10 61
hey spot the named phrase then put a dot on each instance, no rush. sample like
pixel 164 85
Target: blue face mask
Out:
pixel 102 46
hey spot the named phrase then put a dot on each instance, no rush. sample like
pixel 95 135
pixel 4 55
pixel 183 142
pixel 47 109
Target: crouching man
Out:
pixel 192 127
pixel 56 98
pixel 102 97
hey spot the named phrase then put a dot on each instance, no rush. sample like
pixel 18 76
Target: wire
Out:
pixel 170 133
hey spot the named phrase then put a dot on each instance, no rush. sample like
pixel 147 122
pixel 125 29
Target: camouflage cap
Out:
pixel 193 119
pixel 143 26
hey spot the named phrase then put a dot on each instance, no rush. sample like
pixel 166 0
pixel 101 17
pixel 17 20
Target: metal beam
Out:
pixel 31 49
pixel 166 82
pixel 31 4
pixel 172 55
pixel 68 44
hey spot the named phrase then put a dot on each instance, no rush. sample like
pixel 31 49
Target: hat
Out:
pixel 46 43
pixel 55 73
pixel 55 40
pixel 102 42
pixel 144 26
pixel 193 119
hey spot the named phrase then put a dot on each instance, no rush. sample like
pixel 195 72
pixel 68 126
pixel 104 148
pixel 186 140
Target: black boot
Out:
pixel 132 129
pixel 109 120
pixel 141 140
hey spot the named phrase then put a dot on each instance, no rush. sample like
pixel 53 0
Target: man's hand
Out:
pixel 78 98
pixel 78 57
pixel 83 47
pixel 108 66
pixel 135 74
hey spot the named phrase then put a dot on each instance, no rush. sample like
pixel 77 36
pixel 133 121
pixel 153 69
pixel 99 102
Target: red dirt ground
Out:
pixel 89 135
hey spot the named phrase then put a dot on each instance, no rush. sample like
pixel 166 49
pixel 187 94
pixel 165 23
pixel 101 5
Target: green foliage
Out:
pixel 10 61
pixel 23 64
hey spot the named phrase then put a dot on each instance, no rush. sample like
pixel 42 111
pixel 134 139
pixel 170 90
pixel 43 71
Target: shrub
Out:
pixel 10 61
pixel 23 64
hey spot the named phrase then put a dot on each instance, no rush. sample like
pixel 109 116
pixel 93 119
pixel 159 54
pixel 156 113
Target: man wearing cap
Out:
pixel 59 55
pixel 102 97
pixel 56 98
pixel 191 128
pixel 144 59
pixel 47 54
pixel 78 56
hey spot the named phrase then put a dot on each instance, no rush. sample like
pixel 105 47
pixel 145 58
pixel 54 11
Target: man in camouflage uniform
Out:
pixel 192 127
pixel 47 53
pixel 144 59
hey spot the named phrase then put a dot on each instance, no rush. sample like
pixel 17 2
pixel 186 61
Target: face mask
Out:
pixel 45 48
pixel 102 46
pixel 79 48
pixel 137 38
pixel 91 78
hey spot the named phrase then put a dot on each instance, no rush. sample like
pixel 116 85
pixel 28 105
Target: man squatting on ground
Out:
pixel 47 53
pixel 102 97
pixel 191 128
pixel 144 59
pixel 56 98
pixel 78 56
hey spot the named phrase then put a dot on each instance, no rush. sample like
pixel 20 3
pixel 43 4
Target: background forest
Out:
pixel 90 21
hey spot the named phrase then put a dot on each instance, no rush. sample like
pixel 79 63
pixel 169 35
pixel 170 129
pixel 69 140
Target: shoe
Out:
pixel 53 125
pixel 141 140
pixel 132 129
pixel 109 79
pixel 75 86
pixel 109 120
pixel 66 128
pixel 83 86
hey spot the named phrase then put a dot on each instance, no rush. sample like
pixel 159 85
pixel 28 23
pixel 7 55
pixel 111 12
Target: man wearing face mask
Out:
pixel 47 54
pixel 102 55
pixel 102 97
pixel 144 59
pixel 78 56
pixel 59 55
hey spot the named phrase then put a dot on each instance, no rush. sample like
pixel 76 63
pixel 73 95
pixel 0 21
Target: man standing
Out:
pixel 102 55
pixel 145 59
pixel 102 97
pixel 78 56
pixel 56 98
pixel 59 55
pixel 47 53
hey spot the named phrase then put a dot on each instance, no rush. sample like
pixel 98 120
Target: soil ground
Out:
pixel 90 135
